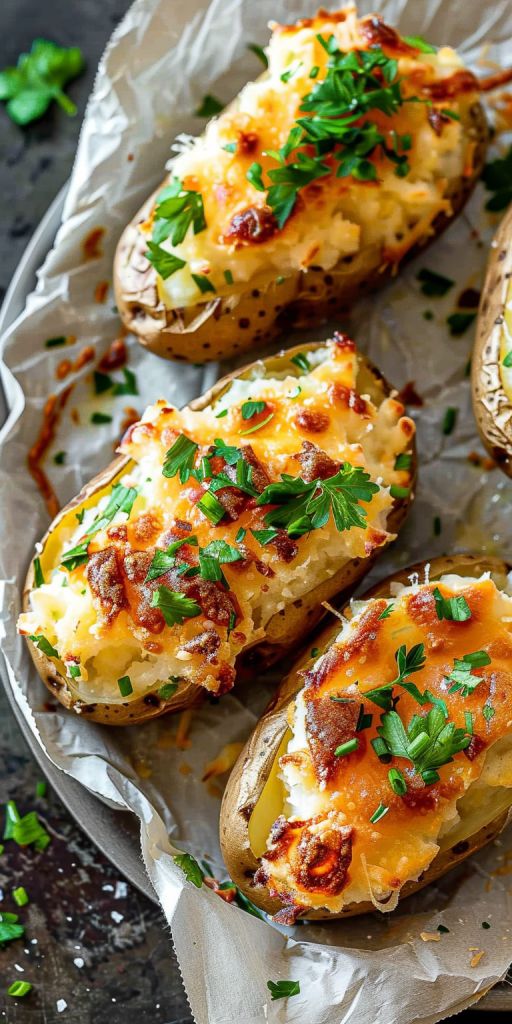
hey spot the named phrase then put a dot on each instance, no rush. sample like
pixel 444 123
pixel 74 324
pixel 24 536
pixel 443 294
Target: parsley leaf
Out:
pixel 259 52
pixel 121 500
pixel 461 675
pixel 428 742
pixel 250 409
pixel 419 44
pixel 175 607
pixel 432 284
pixel 210 105
pixel 38 78
pixel 306 506
pixel 283 989
pixel 455 609
pixel 165 263
pixel 44 645
pixel 128 386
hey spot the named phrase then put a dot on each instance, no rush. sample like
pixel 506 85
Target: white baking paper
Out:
pixel 162 59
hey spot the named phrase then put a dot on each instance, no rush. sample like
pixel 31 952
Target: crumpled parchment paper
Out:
pixel 161 60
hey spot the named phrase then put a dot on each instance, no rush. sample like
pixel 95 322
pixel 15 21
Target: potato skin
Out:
pixel 251 771
pixel 491 404
pixel 223 327
pixel 286 628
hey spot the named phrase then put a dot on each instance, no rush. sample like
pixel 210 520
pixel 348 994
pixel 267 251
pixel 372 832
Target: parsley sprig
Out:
pixel 302 506
pixel 407 662
pixel 461 675
pixel 177 209
pixel 38 78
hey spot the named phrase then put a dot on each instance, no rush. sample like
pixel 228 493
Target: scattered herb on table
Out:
pixel 38 78
pixel 283 989
pixel 497 178
pixel 434 285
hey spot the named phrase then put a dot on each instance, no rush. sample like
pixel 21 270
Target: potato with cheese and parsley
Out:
pixel 219 531
pixel 387 756
pixel 354 149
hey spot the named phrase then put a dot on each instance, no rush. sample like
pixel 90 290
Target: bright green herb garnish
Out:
pixel 190 868
pixel 165 263
pixel 250 409
pixel 38 78
pixel 454 609
pixel 125 686
pixel 303 507
pixel 167 690
pixel 180 458
pixel 461 675
pixel 428 742
pixel 379 813
pixel 497 178
pixel 38 573
pixel 44 645
pixel 19 989
pixel 283 989
pixel 121 500
pixel 434 285
pixel 259 52
pixel 20 896
pixel 210 106
pixel 175 607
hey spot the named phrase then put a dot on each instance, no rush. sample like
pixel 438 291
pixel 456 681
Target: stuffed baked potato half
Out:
pixel 218 532
pixel 386 756
pixel 355 149
pixel 491 364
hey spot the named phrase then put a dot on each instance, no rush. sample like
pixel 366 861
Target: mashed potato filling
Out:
pixel 95 605
pixel 336 217
pixel 350 831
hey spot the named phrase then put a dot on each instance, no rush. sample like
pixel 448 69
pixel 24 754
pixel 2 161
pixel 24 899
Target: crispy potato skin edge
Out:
pixel 491 404
pixel 251 771
pixel 227 326
pixel 284 630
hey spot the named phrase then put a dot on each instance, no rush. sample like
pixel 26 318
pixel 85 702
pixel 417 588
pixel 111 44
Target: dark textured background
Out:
pixel 129 974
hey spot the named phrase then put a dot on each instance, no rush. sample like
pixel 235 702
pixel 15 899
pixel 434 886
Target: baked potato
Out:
pixel 218 532
pixel 308 190
pixel 491 364
pixel 386 756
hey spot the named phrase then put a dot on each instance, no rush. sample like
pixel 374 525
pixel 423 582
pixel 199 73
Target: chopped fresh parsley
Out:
pixel 507 362
pixel 461 675
pixel 128 386
pixel 203 283
pixel 387 611
pixel 403 461
pixel 407 662
pixel 497 178
pixel 428 742
pixel 125 686
pixel 419 44
pixel 38 78
pixel 211 507
pixel 210 105
pixel 250 409
pixel 458 323
pixel 177 209
pixel 121 500
pixel 163 561
pixel 449 420
pixel 99 418
pixel 180 458
pixel 167 690
pixel 455 609
pixel 488 712
pixel 175 607
pixel 265 536
pixel 283 989
pixel 190 868
pixel 102 382
pixel 165 263
pixel 434 285
pixel 302 362
pixel 302 507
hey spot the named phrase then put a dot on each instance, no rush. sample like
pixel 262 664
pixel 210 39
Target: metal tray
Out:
pixel 115 833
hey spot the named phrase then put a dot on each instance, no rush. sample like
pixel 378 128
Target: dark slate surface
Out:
pixel 91 940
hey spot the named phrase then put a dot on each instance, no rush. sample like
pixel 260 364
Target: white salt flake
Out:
pixel 117 917
pixel 121 891
pixel 78 961
pixel 61 1005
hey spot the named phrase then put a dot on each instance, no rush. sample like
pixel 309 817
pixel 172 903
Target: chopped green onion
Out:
pixel 257 426
pixel 20 896
pixel 430 776
pixel 43 645
pixel 379 813
pixel 211 507
pixel 347 748
pixel 301 361
pixel 100 418
pixel 55 342
pixel 449 420
pixel 125 686
pixel 167 690
pixel 240 536
pixel 399 492
pixel 38 573
pixel 397 782
pixel 18 989
pixel 403 461
pixel 203 283
pixel 228 276
pixel 41 789
pixel 381 749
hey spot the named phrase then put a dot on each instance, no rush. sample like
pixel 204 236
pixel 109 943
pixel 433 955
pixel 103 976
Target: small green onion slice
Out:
pixel 347 748
pixel 379 813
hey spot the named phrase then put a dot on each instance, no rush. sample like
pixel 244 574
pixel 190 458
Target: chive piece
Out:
pixel 18 989
pixel 314 71
pixel 403 461
pixel 167 690
pixel 485 924
pixel 364 721
pixel 75 670
pixel 20 896
pixel 507 362
pixel 301 361
pixel 125 686
pixel 347 748
pixel 379 813
pixel 102 382
pixel 257 426
pixel 240 536
pixel 211 507
pixel 210 105
pixel 203 283
pixel 43 645
pixel 430 776
pixel 488 712
pixel 437 526
pixel 228 277
pixel 180 458
pixel 315 651
pixel 397 782
pixel 468 718
pixel 418 745
pixel 41 789
pixel 11 818
pixel 459 322
pixel 443 929
pixel 258 52
pixel 59 458
pixel 434 285
pixel 381 749
pixel 55 342
pixel 100 418
pixel 449 420
pixel 220 415
pixel 38 573
pixel 399 492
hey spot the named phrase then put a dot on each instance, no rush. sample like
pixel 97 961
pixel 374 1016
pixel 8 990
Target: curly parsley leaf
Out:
pixel 38 78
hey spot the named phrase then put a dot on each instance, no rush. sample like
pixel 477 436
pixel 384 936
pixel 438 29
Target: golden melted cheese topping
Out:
pixel 334 218
pixel 324 851
pixel 100 616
